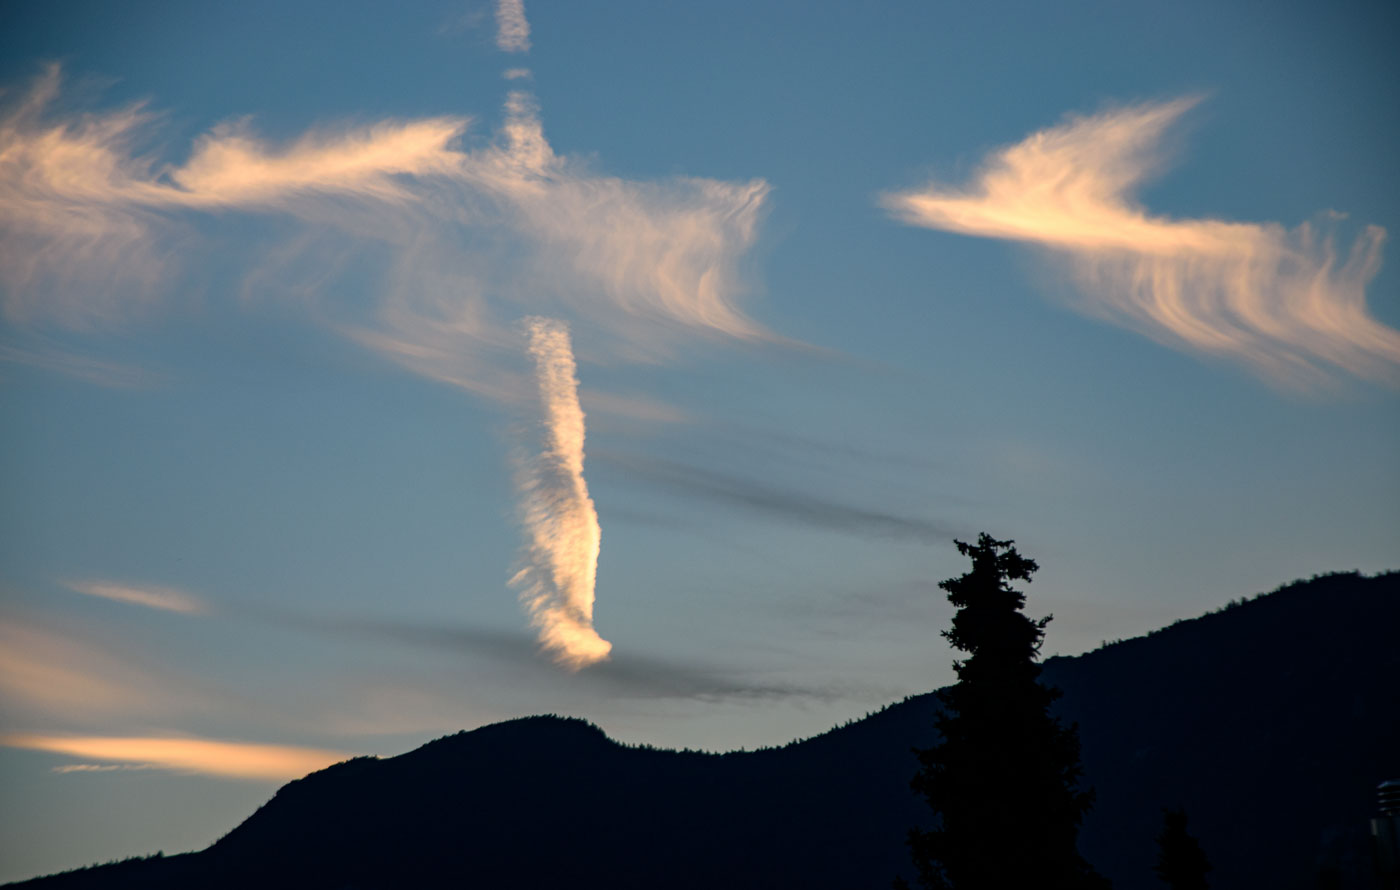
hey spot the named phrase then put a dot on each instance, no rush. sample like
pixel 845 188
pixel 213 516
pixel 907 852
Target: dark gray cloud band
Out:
pixel 777 503
pixel 626 675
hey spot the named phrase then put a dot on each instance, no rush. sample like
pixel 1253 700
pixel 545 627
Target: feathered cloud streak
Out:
pixel 561 524
pixel 47 676
pixel 451 243
pixel 229 760
pixel 151 597
pixel 81 211
pixel 1282 302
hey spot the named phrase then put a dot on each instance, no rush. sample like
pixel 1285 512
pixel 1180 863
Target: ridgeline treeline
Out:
pixel 1269 722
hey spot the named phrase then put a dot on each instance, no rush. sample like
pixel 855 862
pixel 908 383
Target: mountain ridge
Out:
pixel 1266 755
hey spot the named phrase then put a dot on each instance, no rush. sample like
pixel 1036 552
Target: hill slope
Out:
pixel 1271 721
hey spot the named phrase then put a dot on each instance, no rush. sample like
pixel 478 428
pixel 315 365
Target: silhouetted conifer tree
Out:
pixel 1181 863
pixel 1002 781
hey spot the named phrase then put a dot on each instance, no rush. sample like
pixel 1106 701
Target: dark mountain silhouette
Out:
pixel 1271 722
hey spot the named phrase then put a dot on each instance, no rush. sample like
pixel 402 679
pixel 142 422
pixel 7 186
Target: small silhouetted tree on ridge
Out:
pixel 1002 780
pixel 1181 863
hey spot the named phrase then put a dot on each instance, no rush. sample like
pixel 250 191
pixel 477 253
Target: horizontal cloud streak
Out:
pixel 429 248
pixel 231 167
pixel 90 226
pixel 643 676
pixel 103 767
pixel 150 597
pixel 1284 303
pixel 50 357
pixel 64 677
pixel 791 506
pixel 231 760
pixel 622 674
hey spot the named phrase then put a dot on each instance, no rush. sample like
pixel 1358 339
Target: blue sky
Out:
pixel 838 283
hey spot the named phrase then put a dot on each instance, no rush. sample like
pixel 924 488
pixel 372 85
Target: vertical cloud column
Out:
pixel 562 535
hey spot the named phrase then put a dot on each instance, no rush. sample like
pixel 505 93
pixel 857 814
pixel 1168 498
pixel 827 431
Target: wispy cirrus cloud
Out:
pixel 1286 304
pixel 48 356
pixel 62 677
pixel 414 244
pixel 212 757
pixel 91 226
pixel 163 598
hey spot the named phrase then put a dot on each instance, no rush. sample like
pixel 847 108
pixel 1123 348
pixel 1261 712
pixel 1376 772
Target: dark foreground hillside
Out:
pixel 1271 722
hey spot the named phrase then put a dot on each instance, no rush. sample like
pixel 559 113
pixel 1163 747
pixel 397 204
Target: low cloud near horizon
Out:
pixel 1287 304
pixel 212 757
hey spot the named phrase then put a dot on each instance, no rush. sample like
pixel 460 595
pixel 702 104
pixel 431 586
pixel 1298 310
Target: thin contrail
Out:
pixel 562 534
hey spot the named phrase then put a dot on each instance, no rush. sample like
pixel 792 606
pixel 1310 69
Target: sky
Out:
pixel 367 375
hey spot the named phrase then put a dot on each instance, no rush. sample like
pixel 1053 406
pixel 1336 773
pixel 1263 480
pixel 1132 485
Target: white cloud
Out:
pixel 561 523
pixel 1284 303
pixel 449 244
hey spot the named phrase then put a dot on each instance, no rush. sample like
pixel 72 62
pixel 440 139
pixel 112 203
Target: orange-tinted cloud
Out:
pixel 233 760
pixel 561 524
pixel 461 242
pixel 1284 303
pixel 151 597
pixel 67 678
